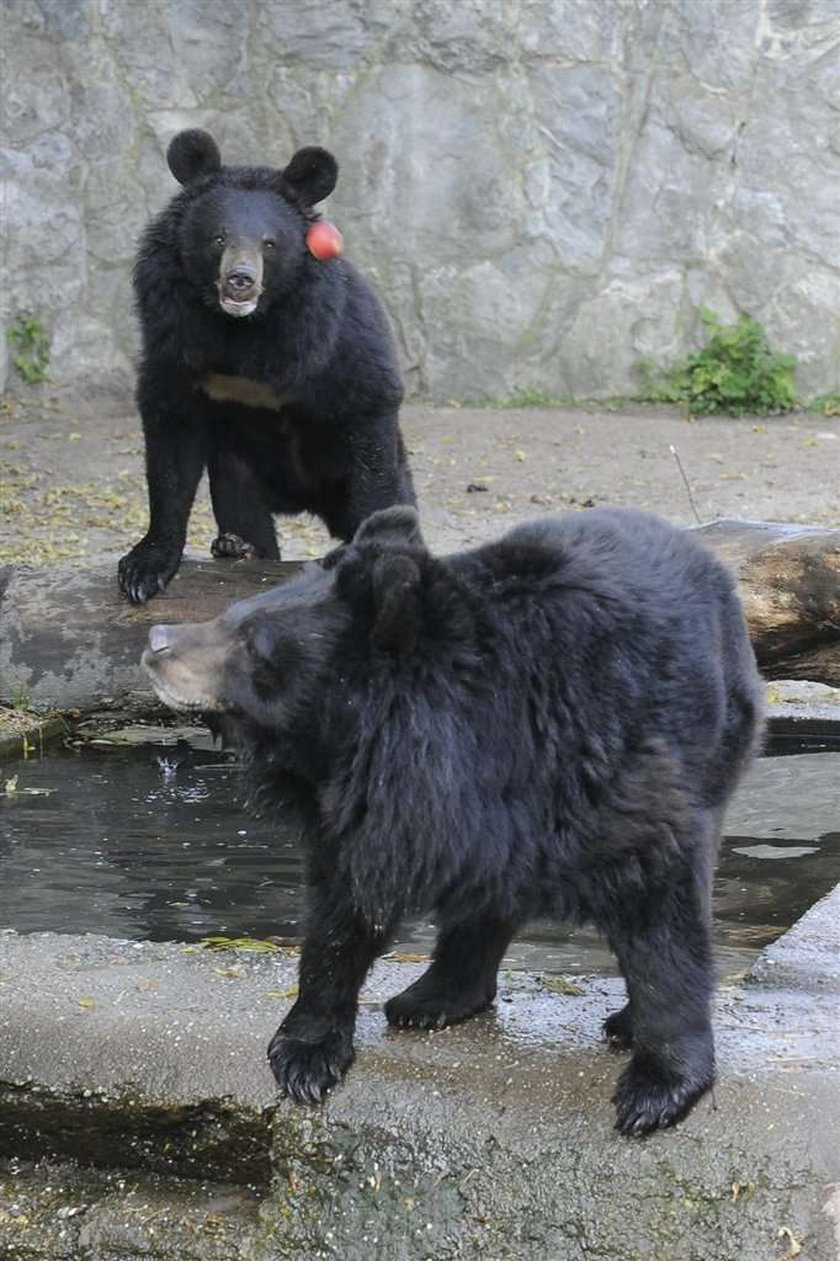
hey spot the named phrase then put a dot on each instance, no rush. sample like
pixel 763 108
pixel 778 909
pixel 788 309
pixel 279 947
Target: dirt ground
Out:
pixel 72 483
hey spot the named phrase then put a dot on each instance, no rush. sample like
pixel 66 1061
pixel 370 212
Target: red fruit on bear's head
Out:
pixel 324 240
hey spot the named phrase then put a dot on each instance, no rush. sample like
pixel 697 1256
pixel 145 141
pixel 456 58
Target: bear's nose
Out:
pixel 160 638
pixel 240 278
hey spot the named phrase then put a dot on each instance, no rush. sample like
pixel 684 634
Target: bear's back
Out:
pixel 625 558
pixel 622 617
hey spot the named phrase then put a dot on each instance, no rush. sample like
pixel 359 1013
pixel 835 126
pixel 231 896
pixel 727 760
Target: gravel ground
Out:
pixel 72 483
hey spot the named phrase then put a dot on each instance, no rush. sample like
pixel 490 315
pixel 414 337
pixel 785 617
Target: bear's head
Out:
pixel 278 663
pixel 242 230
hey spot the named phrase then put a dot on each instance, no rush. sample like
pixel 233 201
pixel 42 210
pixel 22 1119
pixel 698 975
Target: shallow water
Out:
pixel 147 841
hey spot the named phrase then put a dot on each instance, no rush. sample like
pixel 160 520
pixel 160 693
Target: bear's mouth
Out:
pixel 238 304
pixel 173 695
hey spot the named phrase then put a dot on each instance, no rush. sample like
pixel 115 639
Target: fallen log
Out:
pixel 69 641
pixel 789 583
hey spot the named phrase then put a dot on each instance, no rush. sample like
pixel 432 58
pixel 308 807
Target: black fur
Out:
pixel 549 725
pixel 321 434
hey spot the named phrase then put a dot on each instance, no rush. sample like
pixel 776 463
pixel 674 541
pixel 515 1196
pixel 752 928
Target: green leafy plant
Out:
pixel 19 700
pixel 31 343
pixel 826 404
pixel 735 372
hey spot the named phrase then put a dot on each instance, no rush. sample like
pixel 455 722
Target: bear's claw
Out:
pixel 146 569
pixel 649 1098
pixel 306 1071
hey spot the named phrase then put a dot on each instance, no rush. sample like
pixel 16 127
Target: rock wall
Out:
pixel 543 191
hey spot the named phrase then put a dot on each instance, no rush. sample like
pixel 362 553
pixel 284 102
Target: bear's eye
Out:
pixel 219 238
pixel 269 244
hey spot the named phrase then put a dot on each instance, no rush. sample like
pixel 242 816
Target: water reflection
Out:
pixel 149 842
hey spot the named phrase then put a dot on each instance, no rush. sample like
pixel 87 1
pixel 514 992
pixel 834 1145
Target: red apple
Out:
pixel 323 239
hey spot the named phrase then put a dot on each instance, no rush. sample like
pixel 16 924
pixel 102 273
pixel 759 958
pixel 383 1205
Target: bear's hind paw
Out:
pixel 231 546
pixel 618 1029
pixel 649 1097
pixel 422 1007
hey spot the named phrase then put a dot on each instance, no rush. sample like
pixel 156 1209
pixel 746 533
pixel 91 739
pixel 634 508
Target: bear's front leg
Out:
pixel 313 1048
pixel 175 459
pixel 376 476
pixel 664 951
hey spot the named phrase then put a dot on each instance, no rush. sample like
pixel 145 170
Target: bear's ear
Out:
pixel 396 527
pixel 312 174
pixel 396 597
pixel 192 154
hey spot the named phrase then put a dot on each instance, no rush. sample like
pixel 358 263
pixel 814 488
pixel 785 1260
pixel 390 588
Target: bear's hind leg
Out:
pixel 246 526
pixel 664 951
pixel 461 980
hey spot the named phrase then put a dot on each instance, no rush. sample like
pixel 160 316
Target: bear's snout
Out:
pixel 160 638
pixel 186 664
pixel 241 279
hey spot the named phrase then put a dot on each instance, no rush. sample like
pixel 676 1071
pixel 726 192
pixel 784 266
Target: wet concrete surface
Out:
pixel 493 1137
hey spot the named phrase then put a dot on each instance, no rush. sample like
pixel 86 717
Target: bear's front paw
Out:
pixel 305 1071
pixel 146 569
pixel 651 1096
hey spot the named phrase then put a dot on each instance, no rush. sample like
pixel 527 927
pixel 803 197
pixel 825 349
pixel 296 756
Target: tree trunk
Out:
pixel 69 641
pixel 789 582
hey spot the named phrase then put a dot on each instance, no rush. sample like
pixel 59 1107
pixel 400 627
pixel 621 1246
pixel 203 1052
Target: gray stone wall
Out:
pixel 543 191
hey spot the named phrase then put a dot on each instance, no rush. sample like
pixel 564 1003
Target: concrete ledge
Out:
pixel 494 1137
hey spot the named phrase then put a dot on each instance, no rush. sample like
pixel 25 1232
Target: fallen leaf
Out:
pixel 559 985
pixel 794 1246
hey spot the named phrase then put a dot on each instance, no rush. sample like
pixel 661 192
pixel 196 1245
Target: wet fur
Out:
pixel 550 725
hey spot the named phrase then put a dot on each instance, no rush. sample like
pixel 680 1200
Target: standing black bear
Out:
pixel 549 725
pixel 275 371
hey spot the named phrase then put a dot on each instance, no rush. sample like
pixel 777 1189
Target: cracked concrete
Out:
pixel 493 1137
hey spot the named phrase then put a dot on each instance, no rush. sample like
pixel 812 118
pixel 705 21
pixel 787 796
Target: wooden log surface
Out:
pixel 69 641
pixel 789 583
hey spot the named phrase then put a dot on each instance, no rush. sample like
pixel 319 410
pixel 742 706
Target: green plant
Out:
pixel 19 699
pixel 826 404
pixel 736 372
pixel 32 345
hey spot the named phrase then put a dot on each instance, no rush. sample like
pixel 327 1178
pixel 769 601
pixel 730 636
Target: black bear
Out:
pixel 271 369
pixel 550 724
